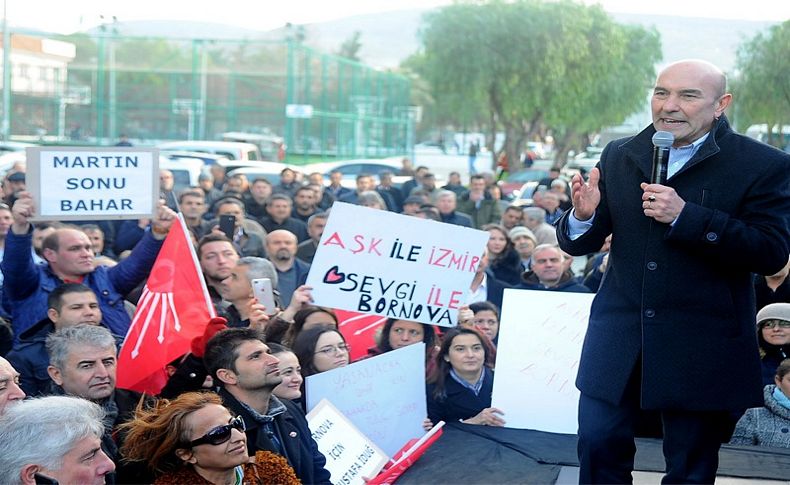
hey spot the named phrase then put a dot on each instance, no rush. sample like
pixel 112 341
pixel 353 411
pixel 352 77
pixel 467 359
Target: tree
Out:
pixel 762 83
pixel 527 64
pixel 351 47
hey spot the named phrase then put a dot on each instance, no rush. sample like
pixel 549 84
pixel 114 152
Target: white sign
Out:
pixel 540 341
pixel 79 183
pixel 299 110
pixel 383 396
pixel 350 455
pixel 393 265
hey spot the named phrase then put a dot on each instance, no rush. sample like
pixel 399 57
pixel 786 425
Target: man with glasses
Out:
pixel 242 365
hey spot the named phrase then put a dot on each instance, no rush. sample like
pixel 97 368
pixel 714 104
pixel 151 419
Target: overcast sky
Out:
pixel 67 16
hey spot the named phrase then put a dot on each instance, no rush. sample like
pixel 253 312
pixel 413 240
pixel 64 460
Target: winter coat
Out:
pixel 458 401
pixel 675 296
pixel 28 285
pixel 30 358
pixel 567 284
pixel 765 426
pixel 291 430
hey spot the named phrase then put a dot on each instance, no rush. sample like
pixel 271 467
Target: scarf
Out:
pixel 781 399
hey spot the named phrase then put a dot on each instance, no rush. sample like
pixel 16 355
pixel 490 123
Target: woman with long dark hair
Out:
pixel 396 334
pixel 461 385
pixel 503 259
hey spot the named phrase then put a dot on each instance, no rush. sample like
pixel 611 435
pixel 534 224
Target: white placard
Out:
pixel 540 341
pixel 388 264
pixel 350 455
pixel 80 183
pixel 384 396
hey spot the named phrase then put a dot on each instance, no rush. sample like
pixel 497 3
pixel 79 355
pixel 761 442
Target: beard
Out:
pixel 283 255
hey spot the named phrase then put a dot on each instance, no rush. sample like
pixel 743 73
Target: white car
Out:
pixel 351 168
pixel 230 149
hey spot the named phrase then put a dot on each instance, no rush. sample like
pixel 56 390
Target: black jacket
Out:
pixel 290 428
pixel 680 297
pixel 458 401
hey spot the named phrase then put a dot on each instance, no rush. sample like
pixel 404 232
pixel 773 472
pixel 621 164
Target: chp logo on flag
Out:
pixel 173 309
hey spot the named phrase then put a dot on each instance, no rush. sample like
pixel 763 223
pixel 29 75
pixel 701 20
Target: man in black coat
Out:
pixel 240 363
pixel 672 325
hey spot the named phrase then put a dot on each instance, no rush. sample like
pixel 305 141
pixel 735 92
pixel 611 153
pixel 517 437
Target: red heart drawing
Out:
pixel 333 276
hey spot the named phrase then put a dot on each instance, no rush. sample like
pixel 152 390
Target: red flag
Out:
pixel 407 456
pixel 359 330
pixel 174 308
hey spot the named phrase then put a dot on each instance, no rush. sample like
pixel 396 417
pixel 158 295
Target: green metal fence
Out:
pixel 153 89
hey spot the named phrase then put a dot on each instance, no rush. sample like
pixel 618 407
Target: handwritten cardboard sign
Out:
pixel 350 455
pixel 399 266
pixel 540 341
pixel 383 396
pixel 83 183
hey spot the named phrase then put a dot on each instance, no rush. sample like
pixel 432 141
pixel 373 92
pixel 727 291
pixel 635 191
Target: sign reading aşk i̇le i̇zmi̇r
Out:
pixel 83 183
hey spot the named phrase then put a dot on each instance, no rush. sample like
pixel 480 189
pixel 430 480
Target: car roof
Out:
pixel 209 143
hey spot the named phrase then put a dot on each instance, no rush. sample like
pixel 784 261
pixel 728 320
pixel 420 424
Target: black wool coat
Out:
pixel 679 297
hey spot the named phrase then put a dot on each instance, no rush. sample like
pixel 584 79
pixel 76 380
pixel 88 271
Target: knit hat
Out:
pixel 521 231
pixel 774 311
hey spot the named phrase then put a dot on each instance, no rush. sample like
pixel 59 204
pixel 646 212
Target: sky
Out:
pixel 67 16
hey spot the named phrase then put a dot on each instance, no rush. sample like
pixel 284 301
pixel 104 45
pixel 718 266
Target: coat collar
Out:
pixel 640 147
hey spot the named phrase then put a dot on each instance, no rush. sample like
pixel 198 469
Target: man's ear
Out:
pixel 53 315
pixel 27 475
pixel 722 104
pixel 227 376
pixel 48 254
pixel 55 375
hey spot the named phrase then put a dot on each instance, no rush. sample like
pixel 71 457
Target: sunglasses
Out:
pixel 220 434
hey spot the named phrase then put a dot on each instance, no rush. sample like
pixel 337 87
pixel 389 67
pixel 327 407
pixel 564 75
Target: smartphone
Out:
pixel 262 290
pixel 227 224
pixel 44 480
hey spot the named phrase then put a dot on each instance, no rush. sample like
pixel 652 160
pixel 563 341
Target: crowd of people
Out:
pixel 233 409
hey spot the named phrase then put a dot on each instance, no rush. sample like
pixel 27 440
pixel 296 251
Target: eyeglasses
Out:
pixel 332 349
pixel 776 323
pixel 220 434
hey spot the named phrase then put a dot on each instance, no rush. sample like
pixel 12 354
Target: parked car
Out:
pixel 14 146
pixel 230 149
pixel 208 158
pixel 268 170
pixel 351 168
pixel 585 160
pixel 185 170
pixel 516 180
pixel 272 147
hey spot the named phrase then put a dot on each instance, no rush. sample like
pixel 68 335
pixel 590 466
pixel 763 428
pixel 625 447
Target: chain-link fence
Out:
pixel 96 88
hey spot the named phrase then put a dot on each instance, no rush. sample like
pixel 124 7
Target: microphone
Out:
pixel 662 140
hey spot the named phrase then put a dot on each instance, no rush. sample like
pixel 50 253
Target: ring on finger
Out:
pixel 652 198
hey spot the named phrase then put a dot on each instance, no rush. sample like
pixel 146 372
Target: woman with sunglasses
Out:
pixel 773 336
pixel 194 439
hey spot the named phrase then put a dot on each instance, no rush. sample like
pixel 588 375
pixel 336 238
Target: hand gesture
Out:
pixel 465 315
pixel 24 208
pixel 162 220
pixel 487 417
pixel 585 195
